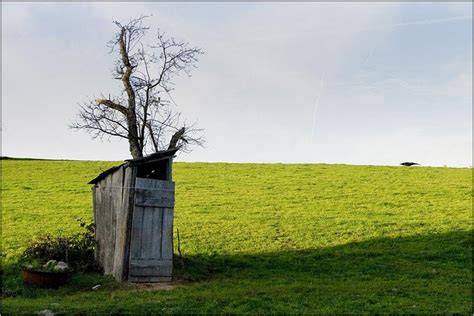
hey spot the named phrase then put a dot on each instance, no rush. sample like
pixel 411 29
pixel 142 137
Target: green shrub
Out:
pixel 77 249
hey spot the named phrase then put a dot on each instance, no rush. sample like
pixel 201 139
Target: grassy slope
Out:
pixel 267 238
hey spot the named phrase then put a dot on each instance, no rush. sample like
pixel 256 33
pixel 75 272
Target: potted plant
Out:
pixel 52 274
pixel 78 250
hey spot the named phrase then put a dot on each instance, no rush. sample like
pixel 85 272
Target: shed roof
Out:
pixel 160 155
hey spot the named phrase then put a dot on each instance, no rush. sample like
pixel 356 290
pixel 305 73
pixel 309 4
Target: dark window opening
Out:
pixel 157 170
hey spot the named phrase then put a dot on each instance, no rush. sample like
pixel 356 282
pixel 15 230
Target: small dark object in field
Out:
pixel 45 279
pixel 409 164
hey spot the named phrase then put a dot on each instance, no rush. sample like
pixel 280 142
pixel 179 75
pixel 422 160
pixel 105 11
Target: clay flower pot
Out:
pixel 45 279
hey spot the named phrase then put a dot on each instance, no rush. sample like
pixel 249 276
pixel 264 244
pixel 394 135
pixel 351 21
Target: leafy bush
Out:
pixel 77 249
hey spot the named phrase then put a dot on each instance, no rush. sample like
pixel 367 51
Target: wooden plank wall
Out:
pixel 124 221
pixel 113 201
pixel 151 254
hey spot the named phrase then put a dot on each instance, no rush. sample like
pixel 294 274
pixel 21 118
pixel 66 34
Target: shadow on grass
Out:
pixel 444 257
pixel 427 273
pixel 423 256
pixel 13 286
pixel 432 272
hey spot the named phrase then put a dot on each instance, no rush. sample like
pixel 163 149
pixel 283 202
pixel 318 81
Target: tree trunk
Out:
pixel 176 137
pixel 135 149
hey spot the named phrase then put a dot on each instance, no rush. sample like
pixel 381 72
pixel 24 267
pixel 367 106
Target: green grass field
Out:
pixel 265 238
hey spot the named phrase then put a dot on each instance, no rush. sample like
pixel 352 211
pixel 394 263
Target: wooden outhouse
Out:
pixel 133 216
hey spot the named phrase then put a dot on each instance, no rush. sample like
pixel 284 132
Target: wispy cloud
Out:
pixel 433 21
pixel 314 81
pixel 316 105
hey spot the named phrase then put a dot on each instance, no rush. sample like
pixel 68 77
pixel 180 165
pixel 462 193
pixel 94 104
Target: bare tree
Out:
pixel 144 113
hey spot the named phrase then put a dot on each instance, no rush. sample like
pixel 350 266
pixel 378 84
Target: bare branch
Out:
pixel 112 105
pixel 143 113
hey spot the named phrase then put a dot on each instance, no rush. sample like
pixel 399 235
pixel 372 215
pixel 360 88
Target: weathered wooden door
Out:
pixel 151 244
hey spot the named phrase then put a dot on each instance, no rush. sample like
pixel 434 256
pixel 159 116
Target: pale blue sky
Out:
pixel 356 83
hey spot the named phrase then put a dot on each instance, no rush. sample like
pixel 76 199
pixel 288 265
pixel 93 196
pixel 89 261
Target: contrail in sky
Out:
pixel 382 26
pixel 434 21
pixel 321 84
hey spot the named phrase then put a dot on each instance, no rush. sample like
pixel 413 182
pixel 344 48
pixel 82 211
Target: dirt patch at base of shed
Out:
pixel 165 286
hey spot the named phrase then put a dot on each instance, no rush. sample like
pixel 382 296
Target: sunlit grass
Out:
pixel 266 238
